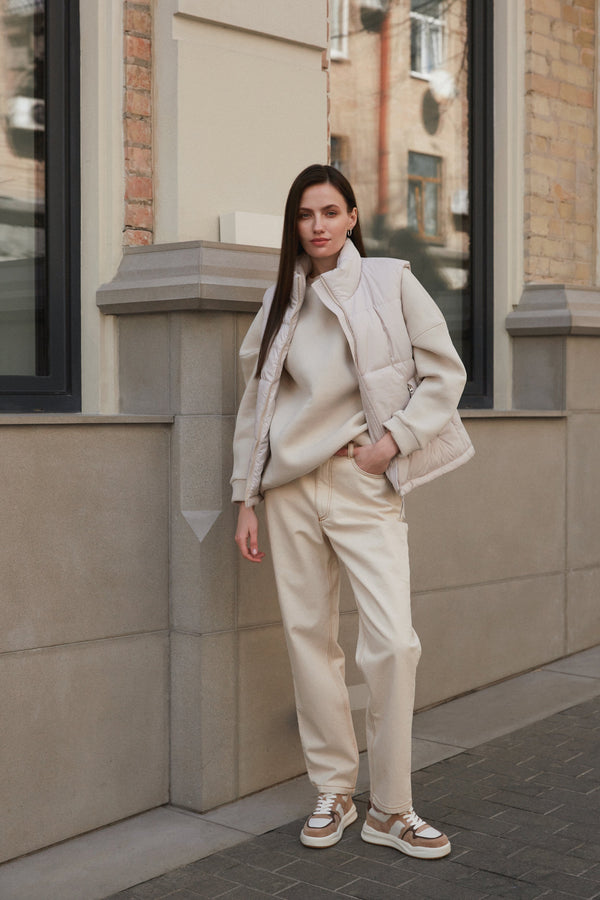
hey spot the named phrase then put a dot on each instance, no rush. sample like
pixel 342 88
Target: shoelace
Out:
pixel 411 818
pixel 325 804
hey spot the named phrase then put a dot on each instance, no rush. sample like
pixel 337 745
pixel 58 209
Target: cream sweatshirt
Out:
pixel 318 408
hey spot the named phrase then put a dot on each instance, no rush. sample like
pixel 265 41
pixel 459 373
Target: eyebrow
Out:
pixel 310 208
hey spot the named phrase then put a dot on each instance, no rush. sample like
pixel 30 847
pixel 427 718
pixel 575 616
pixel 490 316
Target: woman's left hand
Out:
pixel 375 458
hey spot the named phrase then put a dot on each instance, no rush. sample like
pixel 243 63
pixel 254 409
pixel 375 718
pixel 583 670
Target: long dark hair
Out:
pixel 291 246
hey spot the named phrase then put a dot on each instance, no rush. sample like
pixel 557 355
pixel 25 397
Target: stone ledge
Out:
pixel 556 309
pixel 81 419
pixel 192 275
pixel 512 414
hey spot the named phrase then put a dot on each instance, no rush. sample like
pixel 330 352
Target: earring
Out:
pixel 349 232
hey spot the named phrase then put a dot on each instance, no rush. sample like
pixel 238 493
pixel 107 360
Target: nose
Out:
pixel 318 224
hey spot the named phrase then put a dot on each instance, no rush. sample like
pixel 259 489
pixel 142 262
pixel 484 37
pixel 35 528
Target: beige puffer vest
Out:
pixel 410 376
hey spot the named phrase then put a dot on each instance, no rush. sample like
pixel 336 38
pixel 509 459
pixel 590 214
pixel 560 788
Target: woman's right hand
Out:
pixel 246 535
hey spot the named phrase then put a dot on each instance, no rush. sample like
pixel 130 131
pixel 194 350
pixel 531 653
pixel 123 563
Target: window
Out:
pixel 426 36
pixel 424 195
pixel 338 25
pixel 39 215
pixel 419 154
pixel 339 153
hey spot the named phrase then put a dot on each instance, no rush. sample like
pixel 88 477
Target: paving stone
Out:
pixel 164 886
pixel 476 840
pixel 548 802
pixel 493 885
pixel 374 890
pixel 575 885
pixel 465 821
pixel 533 837
pixel 317 873
pixel 494 862
pixel 433 889
pixel 254 854
pixel 310 892
pixel 559 862
pixel 587 851
pixel 377 871
pixel 240 873
pixel 243 892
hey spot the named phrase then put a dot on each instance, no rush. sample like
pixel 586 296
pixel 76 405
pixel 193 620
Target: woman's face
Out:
pixel 323 220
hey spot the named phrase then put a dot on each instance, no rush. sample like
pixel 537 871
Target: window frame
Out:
pixel 60 389
pixel 425 23
pixel 478 393
pixel 438 237
pixel 340 21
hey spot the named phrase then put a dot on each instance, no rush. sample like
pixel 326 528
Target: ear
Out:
pixel 352 217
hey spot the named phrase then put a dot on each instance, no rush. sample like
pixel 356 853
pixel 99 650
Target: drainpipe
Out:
pixel 383 147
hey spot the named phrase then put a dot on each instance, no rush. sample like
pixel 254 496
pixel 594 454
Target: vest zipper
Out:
pixel 280 363
pixel 363 391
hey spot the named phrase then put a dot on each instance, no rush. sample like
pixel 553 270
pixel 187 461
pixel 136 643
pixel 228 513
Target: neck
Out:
pixel 320 266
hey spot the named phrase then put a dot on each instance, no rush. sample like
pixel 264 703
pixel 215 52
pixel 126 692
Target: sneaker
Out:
pixel 325 826
pixel 406 832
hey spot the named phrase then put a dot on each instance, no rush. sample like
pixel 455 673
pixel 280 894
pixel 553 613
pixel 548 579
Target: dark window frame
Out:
pixel 478 392
pixel 60 389
pixel 419 182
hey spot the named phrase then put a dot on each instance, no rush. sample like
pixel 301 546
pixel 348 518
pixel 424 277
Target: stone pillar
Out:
pixel 556 334
pixel 555 354
pixel 184 310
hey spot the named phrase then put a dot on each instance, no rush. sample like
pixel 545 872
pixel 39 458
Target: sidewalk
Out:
pixel 511 773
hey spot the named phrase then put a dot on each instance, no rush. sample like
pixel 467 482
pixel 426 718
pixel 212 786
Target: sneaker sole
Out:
pixel 329 840
pixel 371 836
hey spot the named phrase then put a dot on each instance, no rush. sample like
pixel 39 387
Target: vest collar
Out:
pixel 341 281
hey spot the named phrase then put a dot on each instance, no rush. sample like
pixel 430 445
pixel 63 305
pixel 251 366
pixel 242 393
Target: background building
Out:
pixel 146 149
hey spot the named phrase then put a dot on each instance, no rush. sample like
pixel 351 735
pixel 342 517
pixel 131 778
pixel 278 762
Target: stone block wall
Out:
pixel 560 142
pixel 83 625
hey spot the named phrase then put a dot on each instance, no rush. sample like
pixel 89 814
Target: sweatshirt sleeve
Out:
pixel 244 428
pixel 440 372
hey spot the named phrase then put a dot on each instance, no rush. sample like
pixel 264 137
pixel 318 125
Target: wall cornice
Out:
pixel 195 275
pixel 556 309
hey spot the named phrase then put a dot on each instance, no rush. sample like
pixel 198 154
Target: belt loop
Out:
pixel 350 449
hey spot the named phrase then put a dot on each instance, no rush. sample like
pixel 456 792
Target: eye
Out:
pixel 303 215
pixel 332 212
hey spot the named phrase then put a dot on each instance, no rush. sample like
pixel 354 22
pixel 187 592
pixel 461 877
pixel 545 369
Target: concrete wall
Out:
pixel 84 625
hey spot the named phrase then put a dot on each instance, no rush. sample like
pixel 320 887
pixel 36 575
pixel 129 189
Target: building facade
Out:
pixel 146 150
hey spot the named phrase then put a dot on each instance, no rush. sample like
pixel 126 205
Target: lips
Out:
pixel 320 242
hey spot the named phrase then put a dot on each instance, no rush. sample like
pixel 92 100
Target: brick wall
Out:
pixel 137 113
pixel 560 150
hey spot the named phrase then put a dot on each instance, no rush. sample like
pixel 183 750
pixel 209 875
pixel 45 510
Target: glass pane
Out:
pixel 425 166
pixel 425 134
pixel 415 46
pixel 430 208
pixel 426 7
pixel 413 206
pixel 23 331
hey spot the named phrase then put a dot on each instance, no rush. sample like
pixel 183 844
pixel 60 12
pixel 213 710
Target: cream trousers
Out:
pixel 340 514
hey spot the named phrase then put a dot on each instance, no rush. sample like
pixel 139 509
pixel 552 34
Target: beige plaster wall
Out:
pixel 83 627
pixel 241 107
pixel 102 183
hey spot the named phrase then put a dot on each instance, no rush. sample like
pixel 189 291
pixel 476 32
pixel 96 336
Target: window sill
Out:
pixel 513 413
pixel 81 419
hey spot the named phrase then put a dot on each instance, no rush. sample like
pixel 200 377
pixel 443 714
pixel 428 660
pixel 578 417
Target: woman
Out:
pixel 353 384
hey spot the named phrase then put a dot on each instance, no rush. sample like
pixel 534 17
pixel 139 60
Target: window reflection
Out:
pixel 23 328
pixel 400 132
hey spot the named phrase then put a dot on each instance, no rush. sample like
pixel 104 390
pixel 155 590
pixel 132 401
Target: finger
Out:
pixel 253 543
